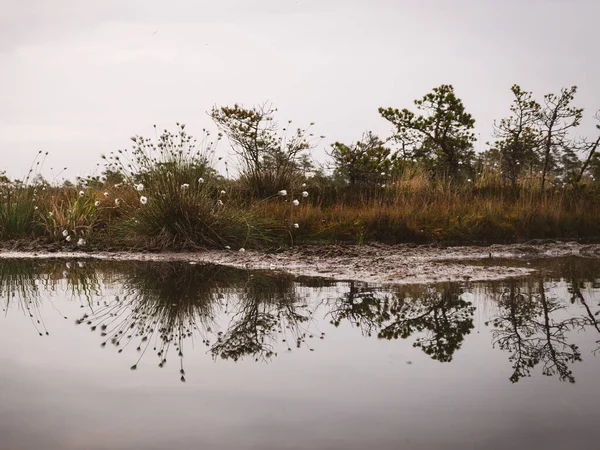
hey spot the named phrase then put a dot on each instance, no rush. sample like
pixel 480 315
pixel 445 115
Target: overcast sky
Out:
pixel 78 78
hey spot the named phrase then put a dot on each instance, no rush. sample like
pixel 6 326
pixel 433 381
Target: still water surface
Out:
pixel 132 355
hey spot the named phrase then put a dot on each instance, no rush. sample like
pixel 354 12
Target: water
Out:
pixel 99 355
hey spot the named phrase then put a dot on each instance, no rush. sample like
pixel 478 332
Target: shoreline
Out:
pixel 372 263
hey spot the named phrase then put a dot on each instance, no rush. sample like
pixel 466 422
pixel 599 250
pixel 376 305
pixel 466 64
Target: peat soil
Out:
pixel 374 263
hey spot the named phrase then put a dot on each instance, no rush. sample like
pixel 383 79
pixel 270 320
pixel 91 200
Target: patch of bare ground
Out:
pixel 389 264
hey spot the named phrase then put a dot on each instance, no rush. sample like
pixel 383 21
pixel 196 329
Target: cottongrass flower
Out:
pixel 223 192
pixel 117 202
pixel 68 238
pixel 283 193
pixel 220 202
pixel 139 187
pixel 81 193
pixel 50 214
pixel 65 233
pixel 200 180
pixel 304 194
pixel 102 179
pixel 296 225
pixel 185 186
pixel 296 202
pixel 469 180
pixel 227 247
pixel 303 184
pixel 81 242
pixel 97 203
pixel 242 250
pixel 143 200
pixel 383 185
pixel 106 194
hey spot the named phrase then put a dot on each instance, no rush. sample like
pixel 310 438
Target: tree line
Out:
pixel 536 139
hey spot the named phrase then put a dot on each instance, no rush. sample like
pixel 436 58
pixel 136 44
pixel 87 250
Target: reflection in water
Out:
pixel 528 328
pixel 165 309
pixel 437 313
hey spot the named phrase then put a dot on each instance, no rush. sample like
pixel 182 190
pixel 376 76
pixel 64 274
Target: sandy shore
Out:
pixel 396 264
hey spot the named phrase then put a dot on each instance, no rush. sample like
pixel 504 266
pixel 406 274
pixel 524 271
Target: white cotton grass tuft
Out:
pixel 303 184
pixel 223 192
pixel 304 194
pixel 102 179
pixel 143 200
pixel 220 202
pixel 81 241
pixel 242 250
pixel 81 193
pixel 296 202
pixel 139 187
pixel 227 247
pixel 200 180
pixel 97 203
pixel 185 186
pixel 283 193
pixel 65 233
pixel 296 225
pixel 117 202
pixel 106 194
pixel 68 238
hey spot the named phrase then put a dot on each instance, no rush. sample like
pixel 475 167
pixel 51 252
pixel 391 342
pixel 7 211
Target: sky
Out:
pixel 78 78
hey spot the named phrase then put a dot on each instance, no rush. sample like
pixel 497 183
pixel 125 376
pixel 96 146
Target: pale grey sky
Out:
pixel 78 78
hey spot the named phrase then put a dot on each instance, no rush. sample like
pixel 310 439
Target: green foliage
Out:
pixel 365 163
pixel 156 163
pixel 518 136
pixel 270 159
pixel 441 136
pixel 558 117
pixel 18 211
pixel 18 202
pixel 176 200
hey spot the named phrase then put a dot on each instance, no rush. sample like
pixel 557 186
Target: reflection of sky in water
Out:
pixel 352 391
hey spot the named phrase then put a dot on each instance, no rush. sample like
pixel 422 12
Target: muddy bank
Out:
pixel 372 263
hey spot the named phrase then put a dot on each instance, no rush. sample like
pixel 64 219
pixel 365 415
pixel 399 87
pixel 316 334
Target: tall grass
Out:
pixel 414 208
pixel 18 202
pixel 176 199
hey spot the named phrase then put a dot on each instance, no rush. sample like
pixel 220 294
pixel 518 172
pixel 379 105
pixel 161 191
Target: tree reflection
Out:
pixel 532 329
pixel 441 314
pixel 590 317
pixel 438 314
pixel 268 310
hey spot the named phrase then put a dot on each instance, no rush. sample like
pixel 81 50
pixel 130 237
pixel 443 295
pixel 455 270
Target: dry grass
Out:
pixel 417 210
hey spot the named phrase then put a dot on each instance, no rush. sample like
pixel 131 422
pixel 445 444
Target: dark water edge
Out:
pixel 130 355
